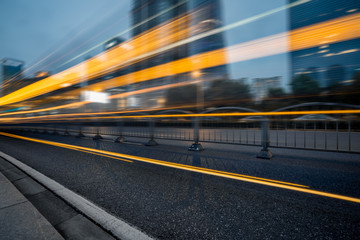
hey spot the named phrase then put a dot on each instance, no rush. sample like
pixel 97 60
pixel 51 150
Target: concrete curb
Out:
pixel 19 218
pixel 117 227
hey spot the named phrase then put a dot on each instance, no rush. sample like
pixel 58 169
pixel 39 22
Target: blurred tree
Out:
pixel 304 85
pixel 276 92
pixel 335 75
pixel 356 78
pixel 181 95
pixel 224 90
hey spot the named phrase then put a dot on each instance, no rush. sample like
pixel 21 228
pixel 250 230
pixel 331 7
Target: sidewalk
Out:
pixel 19 219
pixel 30 211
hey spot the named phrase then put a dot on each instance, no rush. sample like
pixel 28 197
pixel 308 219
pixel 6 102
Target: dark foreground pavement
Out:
pixel 19 219
pixel 169 203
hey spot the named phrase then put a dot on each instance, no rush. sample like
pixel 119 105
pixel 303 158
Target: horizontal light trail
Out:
pixel 199 36
pixel 335 30
pixel 245 178
pixel 110 60
pixel 237 114
pixel 238 53
pixel 272 45
pixel 120 95
pixel 106 61
pixel 49 55
pixel 117 155
pixel 126 31
pixel 99 154
pixel 71 115
pixel 70 105
pixel 68 146
pixel 131 93
pixel 96 46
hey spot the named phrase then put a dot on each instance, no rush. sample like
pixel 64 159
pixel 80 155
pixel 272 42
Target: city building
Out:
pixel 205 15
pixel 332 63
pixel 260 87
pixel 11 72
pixel 113 42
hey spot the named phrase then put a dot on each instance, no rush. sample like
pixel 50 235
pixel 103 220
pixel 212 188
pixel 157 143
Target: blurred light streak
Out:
pixel 218 30
pixel 120 95
pixel 236 114
pixel 126 31
pixel 105 62
pixel 126 94
pixel 199 36
pixel 70 105
pixel 223 174
pixel 151 89
pixel 59 47
pixel 276 44
pixel 117 155
pixel 335 30
pixel 93 152
pixel 228 114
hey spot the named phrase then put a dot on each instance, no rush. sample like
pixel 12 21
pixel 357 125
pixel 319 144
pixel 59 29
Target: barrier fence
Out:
pixel 317 132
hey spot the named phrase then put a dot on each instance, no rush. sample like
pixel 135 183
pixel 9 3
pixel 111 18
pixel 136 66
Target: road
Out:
pixel 171 203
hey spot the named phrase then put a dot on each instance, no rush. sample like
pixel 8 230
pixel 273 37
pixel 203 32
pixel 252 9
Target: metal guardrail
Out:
pixel 317 134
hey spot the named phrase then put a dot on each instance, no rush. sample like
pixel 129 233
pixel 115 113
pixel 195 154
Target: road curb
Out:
pixel 117 227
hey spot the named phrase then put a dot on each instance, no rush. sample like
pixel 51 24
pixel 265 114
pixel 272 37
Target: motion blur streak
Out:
pixel 108 154
pixel 120 95
pixel 99 154
pixel 266 182
pixel 126 31
pixel 340 29
pixel 76 104
pixel 105 62
pixel 336 30
pixel 95 115
pixel 73 147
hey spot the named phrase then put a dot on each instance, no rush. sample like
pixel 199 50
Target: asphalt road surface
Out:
pixel 169 203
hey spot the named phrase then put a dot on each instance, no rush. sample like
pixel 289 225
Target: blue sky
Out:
pixel 30 30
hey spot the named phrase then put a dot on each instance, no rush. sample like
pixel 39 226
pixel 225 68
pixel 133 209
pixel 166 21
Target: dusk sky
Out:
pixel 30 30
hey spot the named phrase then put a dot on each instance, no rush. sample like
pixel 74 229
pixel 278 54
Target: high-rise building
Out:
pixel 204 15
pixel 112 43
pixel 331 63
pixel 11 70
pixel 261 86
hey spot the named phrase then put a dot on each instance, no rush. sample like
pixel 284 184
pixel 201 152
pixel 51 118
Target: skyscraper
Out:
pixel 204 15
pixel 329 55
pixel 11 70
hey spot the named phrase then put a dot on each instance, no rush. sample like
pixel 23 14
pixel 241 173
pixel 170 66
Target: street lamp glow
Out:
pixel 99 97
pixel 196 74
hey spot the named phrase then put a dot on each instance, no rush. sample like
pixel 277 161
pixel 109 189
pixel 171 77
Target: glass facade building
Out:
pixel 331 63
pixel 196 17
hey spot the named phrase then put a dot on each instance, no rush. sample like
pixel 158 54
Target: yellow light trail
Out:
pixel 126 31
pixel 53 52
pixel 120 95
pixel 106 61
pixel 335 30
pixel 240 177
pixel 70 105
pixel 99 154
pixel 263 47
pixel 4 84
pixel 236 114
